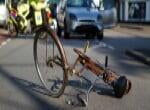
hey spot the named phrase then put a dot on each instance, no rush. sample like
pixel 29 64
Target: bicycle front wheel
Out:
pixel 50 62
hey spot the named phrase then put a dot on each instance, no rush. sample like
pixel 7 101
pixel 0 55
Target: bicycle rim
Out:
pixel 49 62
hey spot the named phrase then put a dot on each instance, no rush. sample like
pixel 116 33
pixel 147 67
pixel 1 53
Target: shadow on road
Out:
pixel 27 88
pixel 100 88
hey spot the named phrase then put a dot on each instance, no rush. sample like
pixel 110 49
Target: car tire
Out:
pixel 59 31
pixel 66 34
pixel 100 35
pixel 89 36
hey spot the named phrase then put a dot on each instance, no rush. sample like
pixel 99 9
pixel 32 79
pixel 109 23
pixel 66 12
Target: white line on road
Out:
pixel 102 45
pixel 5 42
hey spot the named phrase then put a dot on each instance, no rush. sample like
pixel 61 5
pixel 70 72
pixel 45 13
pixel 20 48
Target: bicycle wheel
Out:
pixel 50 62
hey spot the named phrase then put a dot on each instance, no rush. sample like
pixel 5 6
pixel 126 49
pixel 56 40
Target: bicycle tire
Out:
pixel 62 59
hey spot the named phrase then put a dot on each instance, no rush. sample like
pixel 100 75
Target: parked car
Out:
pixel 3 13
pixel 79 16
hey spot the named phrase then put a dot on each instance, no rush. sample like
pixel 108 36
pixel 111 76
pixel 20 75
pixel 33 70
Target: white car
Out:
pixel 3 12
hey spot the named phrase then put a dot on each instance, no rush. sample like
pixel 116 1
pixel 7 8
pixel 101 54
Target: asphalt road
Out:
pixel 20 87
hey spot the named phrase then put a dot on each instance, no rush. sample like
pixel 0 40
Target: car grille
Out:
pixel 87 21
pixel 86 28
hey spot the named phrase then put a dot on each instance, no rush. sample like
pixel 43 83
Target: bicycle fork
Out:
pixel 84 102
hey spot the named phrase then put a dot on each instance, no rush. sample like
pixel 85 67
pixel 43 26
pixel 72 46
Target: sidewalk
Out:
pixel 136 29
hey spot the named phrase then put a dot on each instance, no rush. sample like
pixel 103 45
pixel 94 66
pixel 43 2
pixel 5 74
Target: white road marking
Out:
pixel 5 42
pixel 102 45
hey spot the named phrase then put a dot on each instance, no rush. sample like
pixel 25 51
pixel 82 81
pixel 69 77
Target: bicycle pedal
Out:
pixel 69 102
pixel 50 62
pixel 82 101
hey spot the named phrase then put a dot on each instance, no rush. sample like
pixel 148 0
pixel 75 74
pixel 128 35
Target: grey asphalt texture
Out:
pixel 20 87
pixel 142 55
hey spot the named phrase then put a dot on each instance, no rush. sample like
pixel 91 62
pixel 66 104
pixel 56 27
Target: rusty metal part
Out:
pixel 109 76
pixel 88 63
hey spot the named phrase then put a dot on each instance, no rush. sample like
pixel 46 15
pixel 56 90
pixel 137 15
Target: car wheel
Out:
pixel 59 30
pixel 100 35
pixel 89 36
pixel 66 34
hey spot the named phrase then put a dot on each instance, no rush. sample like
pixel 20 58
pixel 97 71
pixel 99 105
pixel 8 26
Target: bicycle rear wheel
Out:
pixel 50 62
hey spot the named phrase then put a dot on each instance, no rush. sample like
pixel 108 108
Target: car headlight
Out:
pixel 73 17
pixel 99 18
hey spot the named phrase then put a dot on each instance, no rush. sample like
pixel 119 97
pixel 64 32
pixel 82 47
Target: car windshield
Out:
pixel 2 1
pixel 79 3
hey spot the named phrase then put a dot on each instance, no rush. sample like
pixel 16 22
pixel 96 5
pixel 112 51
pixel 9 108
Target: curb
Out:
pixel 138 56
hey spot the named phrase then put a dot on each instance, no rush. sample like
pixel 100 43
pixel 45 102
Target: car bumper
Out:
pixel 84 27
pixel 2 20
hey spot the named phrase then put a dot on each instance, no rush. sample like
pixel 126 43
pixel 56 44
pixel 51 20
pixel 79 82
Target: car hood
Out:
pixel 83 13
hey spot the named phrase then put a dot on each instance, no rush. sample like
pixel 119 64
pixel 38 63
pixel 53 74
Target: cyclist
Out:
pixel 23 11
pixel 38 5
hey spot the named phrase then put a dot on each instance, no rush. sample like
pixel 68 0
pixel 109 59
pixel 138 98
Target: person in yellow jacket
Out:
pixel 38 5
pixel 23 9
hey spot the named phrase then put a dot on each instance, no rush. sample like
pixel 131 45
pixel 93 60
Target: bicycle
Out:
pixel 53 68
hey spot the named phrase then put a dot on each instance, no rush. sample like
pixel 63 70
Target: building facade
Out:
pixel 134 10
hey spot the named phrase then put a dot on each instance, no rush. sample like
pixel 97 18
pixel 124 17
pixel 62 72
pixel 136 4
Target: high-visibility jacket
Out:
pixel 36 1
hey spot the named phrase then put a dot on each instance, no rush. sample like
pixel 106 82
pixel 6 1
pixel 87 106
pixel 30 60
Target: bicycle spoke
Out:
pixel 49 64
